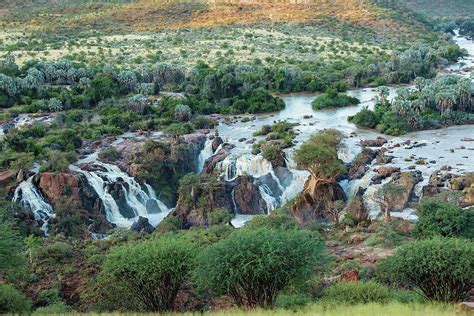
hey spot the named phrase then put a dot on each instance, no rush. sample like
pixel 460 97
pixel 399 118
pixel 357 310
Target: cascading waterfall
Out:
pixel 29 197
pixel 205 154
pixel 260 168
pixel 140 202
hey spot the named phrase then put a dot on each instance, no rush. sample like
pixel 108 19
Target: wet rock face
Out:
pixel 142 225
pixel 378 142
pixel 247 197
pixel 407 181
pixel 359 166
pixel 216 142
pixel 117 190
pixel 73 195
pixel 211 163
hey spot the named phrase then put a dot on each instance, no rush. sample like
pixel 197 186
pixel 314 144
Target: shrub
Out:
pixel 12 300
pixel 386 235
pixel 12 260
pixel 439 218
pixel 53 252
pixel 361 292
pixel 332 99
pixel 365 118
pixel 56 308
pixel 441 268
pixel 292 302
pixel 153 270
pixel 182 113
pixel 253 266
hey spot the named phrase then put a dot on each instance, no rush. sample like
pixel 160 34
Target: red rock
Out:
pixel 6 176
pixel 369 259
pixel 350 276
pixel 357 239
pixel 55 185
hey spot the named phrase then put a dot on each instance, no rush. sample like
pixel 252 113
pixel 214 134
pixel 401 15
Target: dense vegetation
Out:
pixel 333 99
pixel 173 67
pixel 433 103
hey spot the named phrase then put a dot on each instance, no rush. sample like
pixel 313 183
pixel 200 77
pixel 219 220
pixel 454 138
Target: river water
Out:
pixel 443 147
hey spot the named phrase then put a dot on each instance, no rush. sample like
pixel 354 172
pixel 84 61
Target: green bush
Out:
pixel 439 218
pixel 254 265
pixel 361 292
pixel 13 301
pixel 12 260
pixel 365 118
pixel 292 302
pixel 386 235
pixel 56 308
pixel 332 99
pixel 441 268
pixel 53 252
pixel 153 271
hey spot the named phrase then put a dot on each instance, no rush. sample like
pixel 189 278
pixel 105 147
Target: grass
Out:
pixel 391 309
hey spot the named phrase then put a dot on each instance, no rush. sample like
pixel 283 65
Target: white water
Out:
pixel 206 153
pixel 438 151
pixel 24 120
pixel 135 197
pixel 29 197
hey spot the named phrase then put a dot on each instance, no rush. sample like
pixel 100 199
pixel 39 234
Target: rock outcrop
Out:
pixel 378 142
pixel 142 225
pixel 310 205
pixel 359 165
pixel 406 181
pixel 211 163
pixel 247 197
pixel 71 195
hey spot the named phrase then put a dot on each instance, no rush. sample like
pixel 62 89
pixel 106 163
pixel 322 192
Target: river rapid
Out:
pixel 442 147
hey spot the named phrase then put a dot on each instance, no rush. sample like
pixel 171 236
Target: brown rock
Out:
pixel 379 142
pixel 385 172
pixel 369 259
pixel 357 239
pixel 359 165
pixel 247 197
pixel 350 276
pixel 6 177
pixel 407 181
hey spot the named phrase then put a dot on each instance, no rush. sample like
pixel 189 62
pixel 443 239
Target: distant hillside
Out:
pixel 444 9
pixel 145 15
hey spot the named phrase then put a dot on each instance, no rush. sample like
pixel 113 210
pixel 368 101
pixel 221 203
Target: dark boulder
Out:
pixel 247 196
pixel 142 225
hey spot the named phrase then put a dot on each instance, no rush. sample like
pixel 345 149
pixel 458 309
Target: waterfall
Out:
pixel 205 154
pixel 270 186
pixel 140 202
pixel 255 166
pixel 29 197
pixel 270 199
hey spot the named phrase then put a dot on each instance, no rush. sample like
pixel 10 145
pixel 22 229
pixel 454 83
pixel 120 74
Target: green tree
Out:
pixel 13 301
pixel 319 156
pixel 153 271
pixel 253 266
pixel 439 218
pixel 12 259
pixel 442 269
